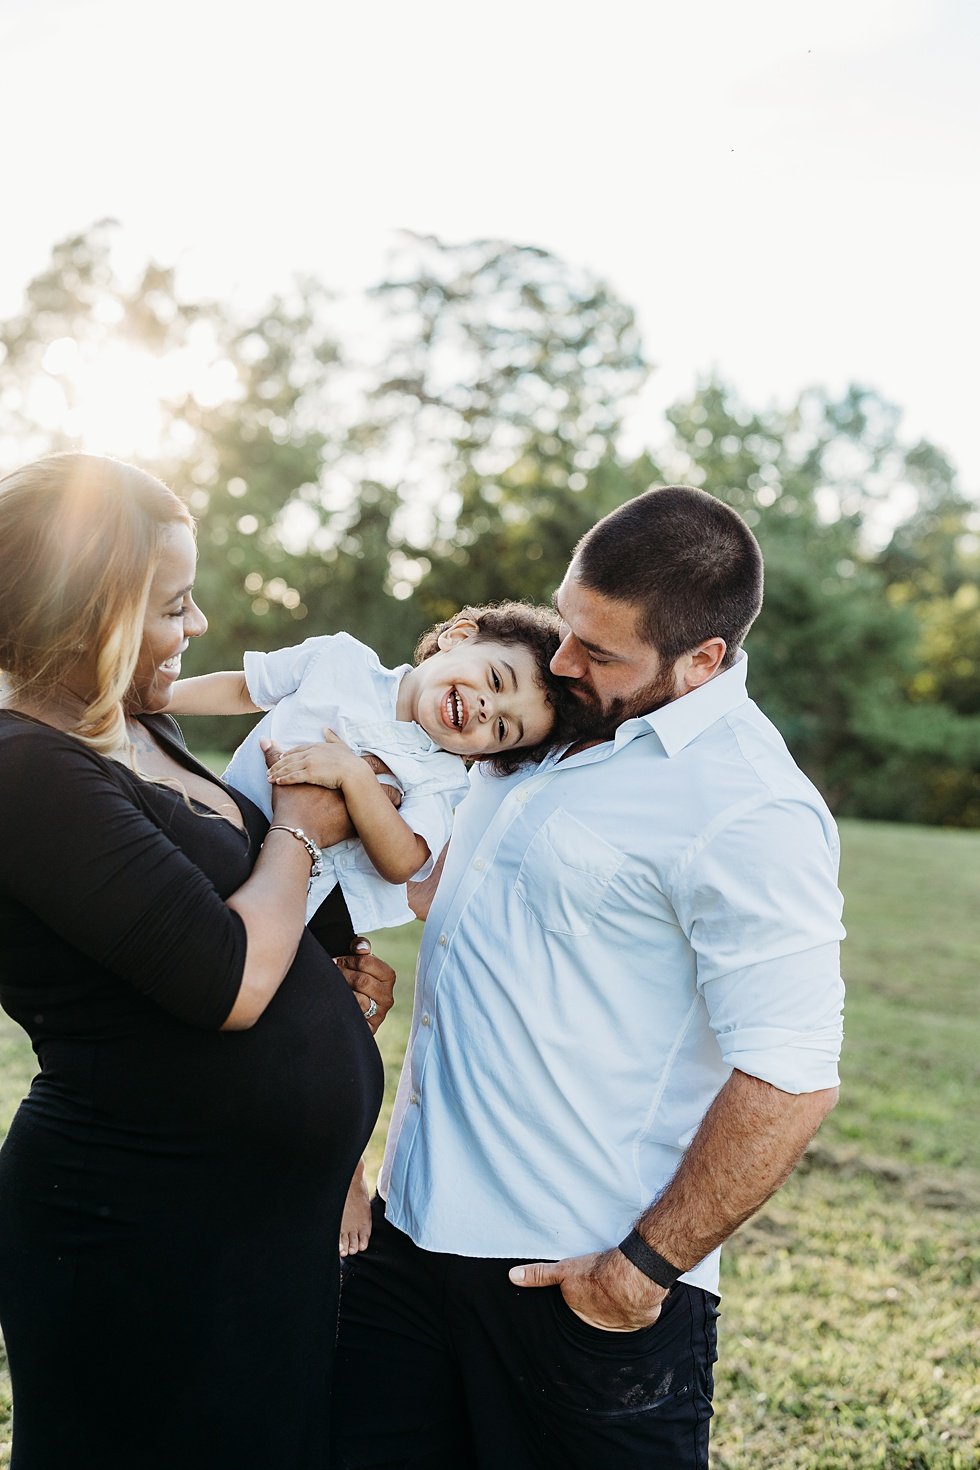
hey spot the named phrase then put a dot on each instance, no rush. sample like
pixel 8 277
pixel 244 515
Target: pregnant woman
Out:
pixel 171 1189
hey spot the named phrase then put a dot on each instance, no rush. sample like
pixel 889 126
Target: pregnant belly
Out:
pixel 303 1083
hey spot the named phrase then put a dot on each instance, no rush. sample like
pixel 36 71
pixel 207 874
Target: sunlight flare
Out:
pixel 119 399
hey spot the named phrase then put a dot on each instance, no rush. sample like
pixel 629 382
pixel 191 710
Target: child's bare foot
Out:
pixel 355 1224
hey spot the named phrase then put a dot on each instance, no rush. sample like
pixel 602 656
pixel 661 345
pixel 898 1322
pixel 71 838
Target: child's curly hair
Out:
pixel 536 628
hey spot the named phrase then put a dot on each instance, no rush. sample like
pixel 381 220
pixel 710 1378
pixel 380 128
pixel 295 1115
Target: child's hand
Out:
pixel 329 764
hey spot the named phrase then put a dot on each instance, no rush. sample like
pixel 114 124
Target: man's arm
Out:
pixel 748 1143
pixel 213 694
pixel 420 895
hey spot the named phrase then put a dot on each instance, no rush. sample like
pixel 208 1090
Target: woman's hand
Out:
pixel 331 763
pixel 372 981
pixel 319 811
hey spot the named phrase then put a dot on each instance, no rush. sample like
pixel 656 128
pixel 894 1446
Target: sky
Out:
pixel 785 190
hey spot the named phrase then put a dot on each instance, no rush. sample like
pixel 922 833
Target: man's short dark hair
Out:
pixel 685 561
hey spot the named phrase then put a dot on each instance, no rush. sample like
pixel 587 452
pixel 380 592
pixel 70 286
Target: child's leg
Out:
pixel 355 1224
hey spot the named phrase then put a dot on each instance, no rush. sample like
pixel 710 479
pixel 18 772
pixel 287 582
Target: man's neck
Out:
pixel 578 746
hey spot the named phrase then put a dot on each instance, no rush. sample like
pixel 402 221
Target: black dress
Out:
pixel 170 1195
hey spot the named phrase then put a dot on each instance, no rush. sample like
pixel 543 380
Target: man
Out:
pixel 626 1029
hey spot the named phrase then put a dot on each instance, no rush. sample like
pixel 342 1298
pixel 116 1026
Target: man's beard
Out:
pixel 595 721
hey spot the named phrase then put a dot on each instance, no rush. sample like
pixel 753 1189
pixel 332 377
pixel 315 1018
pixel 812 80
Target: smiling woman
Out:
pixel 84 542
pixel 207 1079
pixel 172 617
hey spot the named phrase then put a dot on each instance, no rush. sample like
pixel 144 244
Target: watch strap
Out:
pixel 650 1262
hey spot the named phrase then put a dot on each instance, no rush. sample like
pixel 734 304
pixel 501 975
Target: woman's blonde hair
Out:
pixel 81 537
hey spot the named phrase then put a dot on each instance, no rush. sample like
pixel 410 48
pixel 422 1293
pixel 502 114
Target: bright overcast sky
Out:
pixel 786 190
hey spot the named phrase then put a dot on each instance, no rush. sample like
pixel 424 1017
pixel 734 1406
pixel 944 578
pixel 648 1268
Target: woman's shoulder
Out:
pixel 33 748
pixel 25 731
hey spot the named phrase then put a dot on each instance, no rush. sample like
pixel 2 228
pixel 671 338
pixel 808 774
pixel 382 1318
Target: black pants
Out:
pixel 442 1363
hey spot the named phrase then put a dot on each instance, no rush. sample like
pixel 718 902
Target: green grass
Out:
pixel 399 947
pixel 849 1334
pixel 910 1053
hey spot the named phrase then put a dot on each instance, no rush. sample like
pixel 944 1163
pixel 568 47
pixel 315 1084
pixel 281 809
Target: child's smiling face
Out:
pixel 477 697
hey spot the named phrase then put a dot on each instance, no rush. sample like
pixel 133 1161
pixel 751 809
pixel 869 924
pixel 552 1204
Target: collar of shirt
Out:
pixel 678 723
pixel 683 720
pixel 394 735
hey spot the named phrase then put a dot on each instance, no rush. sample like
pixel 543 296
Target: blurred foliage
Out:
pixel 447 439
pixel 502 392
pixel 865 659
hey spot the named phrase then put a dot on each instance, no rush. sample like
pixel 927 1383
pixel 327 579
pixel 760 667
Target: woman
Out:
pixel 171 1189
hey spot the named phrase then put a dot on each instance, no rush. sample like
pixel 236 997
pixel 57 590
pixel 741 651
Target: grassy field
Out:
pixel 850 1332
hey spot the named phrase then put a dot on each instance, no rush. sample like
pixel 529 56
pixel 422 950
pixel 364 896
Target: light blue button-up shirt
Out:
pixel 612 935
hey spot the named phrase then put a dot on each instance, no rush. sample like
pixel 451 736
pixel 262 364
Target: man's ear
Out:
pixel 701 664
pixel 457 632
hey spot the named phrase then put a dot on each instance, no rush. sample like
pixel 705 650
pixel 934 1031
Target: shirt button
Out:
pixel 442 939
pixel 479 865
pixel 414 1099
pixel 426 1019
pixel 522 796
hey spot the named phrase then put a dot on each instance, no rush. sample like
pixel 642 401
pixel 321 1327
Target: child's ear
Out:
pixel 457 632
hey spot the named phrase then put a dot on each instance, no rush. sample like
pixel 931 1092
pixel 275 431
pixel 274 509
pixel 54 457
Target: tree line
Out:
pixel 446 438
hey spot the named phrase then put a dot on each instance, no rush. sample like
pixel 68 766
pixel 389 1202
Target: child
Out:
pixel 480 688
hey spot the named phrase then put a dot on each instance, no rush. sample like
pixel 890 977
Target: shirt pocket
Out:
pixel 566 871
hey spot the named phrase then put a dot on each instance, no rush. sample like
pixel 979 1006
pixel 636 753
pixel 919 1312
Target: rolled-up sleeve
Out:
pixel 759 902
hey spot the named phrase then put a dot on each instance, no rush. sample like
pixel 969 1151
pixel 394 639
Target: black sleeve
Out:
pixel 77 850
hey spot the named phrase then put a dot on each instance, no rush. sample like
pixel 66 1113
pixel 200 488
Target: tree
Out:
pixel 505 375
pixel 240 416
pixel 932 565
pixel 462 449
pixel 837 653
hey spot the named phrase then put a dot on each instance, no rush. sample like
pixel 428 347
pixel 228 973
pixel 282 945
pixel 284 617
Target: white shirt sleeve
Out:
pixel 431 817
pixel 760 905
pixel 270 677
